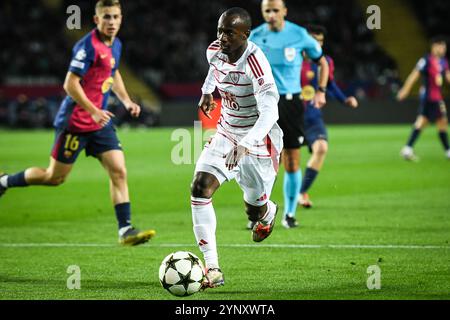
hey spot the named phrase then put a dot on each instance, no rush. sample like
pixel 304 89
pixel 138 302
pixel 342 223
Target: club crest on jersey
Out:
pixel 234 76
pixel 290 54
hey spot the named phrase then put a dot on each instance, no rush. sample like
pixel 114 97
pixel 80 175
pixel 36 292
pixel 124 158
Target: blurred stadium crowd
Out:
pixel 165 42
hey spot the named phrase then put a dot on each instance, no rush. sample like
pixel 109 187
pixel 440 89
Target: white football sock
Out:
pixel 204 221
pixel 270 214
pixel 4 181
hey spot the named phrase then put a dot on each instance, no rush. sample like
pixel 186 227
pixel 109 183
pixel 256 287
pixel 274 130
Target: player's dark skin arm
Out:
pixel 73 88
pixel 121 92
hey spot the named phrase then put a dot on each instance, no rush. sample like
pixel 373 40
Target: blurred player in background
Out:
pixel 283 43
pixel 248 141
pixel 83 121
pixel 315 131
pixel 433 68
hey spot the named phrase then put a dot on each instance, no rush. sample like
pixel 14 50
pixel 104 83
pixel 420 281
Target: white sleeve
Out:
pixel 210 82
pixel 266 94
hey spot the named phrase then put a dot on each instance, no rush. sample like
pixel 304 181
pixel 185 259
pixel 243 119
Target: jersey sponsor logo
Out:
pixel 81 55
pixel 290 54
pixel 229 100
pixel 234 76
pixel 107 85
pixel 77 64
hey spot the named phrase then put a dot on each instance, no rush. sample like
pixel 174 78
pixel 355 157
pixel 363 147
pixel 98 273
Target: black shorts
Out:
pixel 433 110
pixel 68 145
pixel 291 113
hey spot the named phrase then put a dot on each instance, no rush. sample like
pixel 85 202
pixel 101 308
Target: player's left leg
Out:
pixel 114 163
pixel 291 185
pixel 256 178
pixel 422 121
pixel 315 164
pixel 442 126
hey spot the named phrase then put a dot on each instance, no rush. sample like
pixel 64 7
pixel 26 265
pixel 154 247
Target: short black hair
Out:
pixel 316 29
pixel 438 39
pixel 243 15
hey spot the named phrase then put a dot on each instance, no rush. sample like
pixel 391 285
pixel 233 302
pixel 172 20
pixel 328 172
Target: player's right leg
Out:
pixel 64 153
pixel 407 151
pixel 442 126
pixel 54 175
pixel 204 224
pixel 319 151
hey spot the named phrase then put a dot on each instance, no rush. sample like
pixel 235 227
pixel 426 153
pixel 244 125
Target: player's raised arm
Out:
pixel 73 88
pixel 121 92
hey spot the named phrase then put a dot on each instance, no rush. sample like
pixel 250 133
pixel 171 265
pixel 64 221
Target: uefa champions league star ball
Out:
pixel 181 273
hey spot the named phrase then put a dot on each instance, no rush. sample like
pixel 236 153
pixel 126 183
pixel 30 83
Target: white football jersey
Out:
pixel 249 99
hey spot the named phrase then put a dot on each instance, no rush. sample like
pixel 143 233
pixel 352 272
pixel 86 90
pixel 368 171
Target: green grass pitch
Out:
pixel 371 208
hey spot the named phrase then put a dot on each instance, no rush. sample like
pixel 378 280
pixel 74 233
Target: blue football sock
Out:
pixel 413 137
pixel 123 214
pixel 17 180
pixel 308 179
pixel 291 188
pixel 443 136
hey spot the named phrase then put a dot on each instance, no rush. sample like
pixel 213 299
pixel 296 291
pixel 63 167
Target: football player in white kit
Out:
pixel 248 141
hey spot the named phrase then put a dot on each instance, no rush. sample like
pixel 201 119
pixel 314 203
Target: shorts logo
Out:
pixel 264 197
pixel 68 154
pixel 234 76
pixel 290 54
pixel 443 108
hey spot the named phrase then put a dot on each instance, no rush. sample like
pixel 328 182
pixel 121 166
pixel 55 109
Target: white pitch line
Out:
pixel 275 246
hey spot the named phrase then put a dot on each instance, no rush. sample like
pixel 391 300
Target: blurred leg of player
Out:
pixel 315 164
pixel 407 152
pixel 442 126
pixel 114 163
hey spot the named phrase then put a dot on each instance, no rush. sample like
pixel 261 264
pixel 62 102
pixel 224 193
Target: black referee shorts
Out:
pixel 291 114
